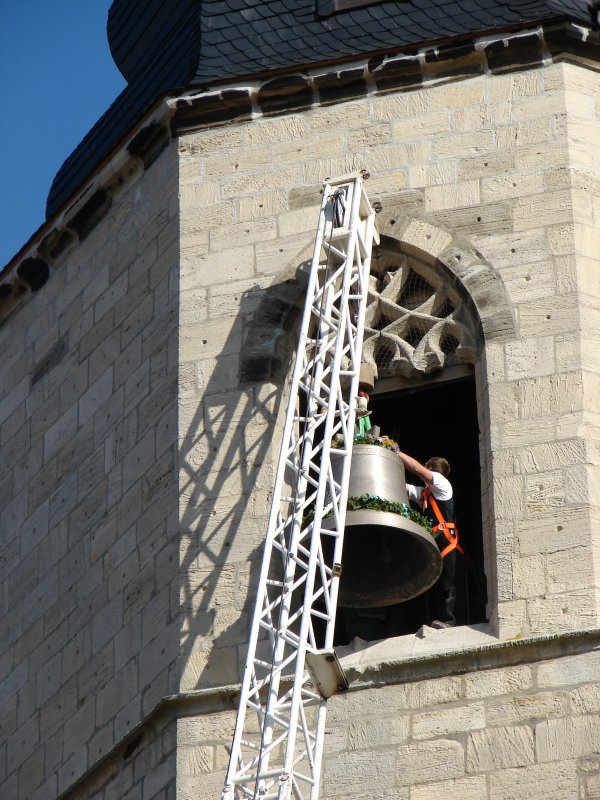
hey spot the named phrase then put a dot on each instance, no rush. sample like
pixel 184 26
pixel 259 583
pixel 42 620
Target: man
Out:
pixel 436 502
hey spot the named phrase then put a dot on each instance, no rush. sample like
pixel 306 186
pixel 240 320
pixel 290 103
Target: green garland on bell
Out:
pixel 374 503
pixel 379 441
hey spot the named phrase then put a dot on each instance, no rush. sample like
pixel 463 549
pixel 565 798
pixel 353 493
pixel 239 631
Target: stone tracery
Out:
pixel 416 322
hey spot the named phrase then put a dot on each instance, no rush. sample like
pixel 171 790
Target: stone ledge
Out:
pixel 453 651
pixel 416 68
pixel 404 659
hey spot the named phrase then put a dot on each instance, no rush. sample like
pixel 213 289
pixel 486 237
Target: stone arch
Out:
pixel 460 292
pixel 434 300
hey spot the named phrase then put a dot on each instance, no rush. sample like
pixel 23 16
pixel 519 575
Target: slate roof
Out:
pixel 168 45
pixel 240 38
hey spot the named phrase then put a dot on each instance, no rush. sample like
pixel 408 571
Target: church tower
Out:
pixel 147 332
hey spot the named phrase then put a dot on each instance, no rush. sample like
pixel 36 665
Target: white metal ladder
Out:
pixel 278 739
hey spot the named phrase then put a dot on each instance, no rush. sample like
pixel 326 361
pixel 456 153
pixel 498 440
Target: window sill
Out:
pixel 434 653
pixel 361 656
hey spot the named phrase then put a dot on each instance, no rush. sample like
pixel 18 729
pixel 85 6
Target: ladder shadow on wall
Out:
pixel 226 480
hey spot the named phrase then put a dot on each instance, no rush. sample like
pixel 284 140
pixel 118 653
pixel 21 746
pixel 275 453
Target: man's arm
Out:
pixel 416 467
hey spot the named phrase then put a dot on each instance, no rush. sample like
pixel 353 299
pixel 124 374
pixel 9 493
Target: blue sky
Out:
pixel 58 78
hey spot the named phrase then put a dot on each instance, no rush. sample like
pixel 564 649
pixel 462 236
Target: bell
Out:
pixel 387 558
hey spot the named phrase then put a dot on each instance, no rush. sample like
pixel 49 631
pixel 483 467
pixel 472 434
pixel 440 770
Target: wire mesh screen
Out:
pixel 384 357
pixel 415 292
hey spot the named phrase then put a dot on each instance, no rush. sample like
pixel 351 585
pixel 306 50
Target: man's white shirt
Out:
pixel 441 488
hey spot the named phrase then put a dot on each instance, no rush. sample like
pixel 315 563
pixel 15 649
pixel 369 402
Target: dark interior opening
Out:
pixel 437 419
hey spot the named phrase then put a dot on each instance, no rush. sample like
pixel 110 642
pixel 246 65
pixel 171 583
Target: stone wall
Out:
pixel 529 730
pixel 89 509
pixel 489 171
pixel 143 388
pixel 492 727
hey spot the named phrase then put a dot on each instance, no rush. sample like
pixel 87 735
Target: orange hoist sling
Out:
pixel 447 528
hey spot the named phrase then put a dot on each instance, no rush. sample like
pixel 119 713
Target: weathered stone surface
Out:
pixel 418 763
pixel 530 358
pixel 458 789
pixel 565 611
pixel 537 782
pixel 355 772
pixel 448 721
pixel 498 682
pixel 425 238
pixel 560 739
pixel 500 748
pixel 585 699
pixel 366 735
pixel 528 707
pixel 529 576
pixel 584 668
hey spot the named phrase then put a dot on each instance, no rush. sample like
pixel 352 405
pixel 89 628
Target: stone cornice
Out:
pixel 288 93
pixel 371 665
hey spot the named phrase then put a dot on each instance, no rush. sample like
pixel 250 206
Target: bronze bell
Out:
pixel 387 558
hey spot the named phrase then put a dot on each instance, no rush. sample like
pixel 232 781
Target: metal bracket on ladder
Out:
pixel 278 740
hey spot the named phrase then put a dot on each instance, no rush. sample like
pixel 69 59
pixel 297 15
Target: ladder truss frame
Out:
pixel 280 758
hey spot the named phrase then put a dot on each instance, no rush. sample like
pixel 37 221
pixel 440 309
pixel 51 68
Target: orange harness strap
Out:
pixel 447 528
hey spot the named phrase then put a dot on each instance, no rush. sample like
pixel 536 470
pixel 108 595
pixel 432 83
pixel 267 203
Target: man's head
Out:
pixel 438 464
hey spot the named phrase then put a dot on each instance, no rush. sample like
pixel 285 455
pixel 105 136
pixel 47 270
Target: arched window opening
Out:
pixel 437 418
pixel 420 337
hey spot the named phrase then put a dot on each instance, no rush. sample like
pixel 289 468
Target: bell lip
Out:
pixel 387 519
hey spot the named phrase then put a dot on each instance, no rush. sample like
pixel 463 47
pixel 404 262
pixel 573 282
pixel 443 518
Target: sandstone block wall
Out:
pixel 518 731
pixel 528 729
pixel 88 508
